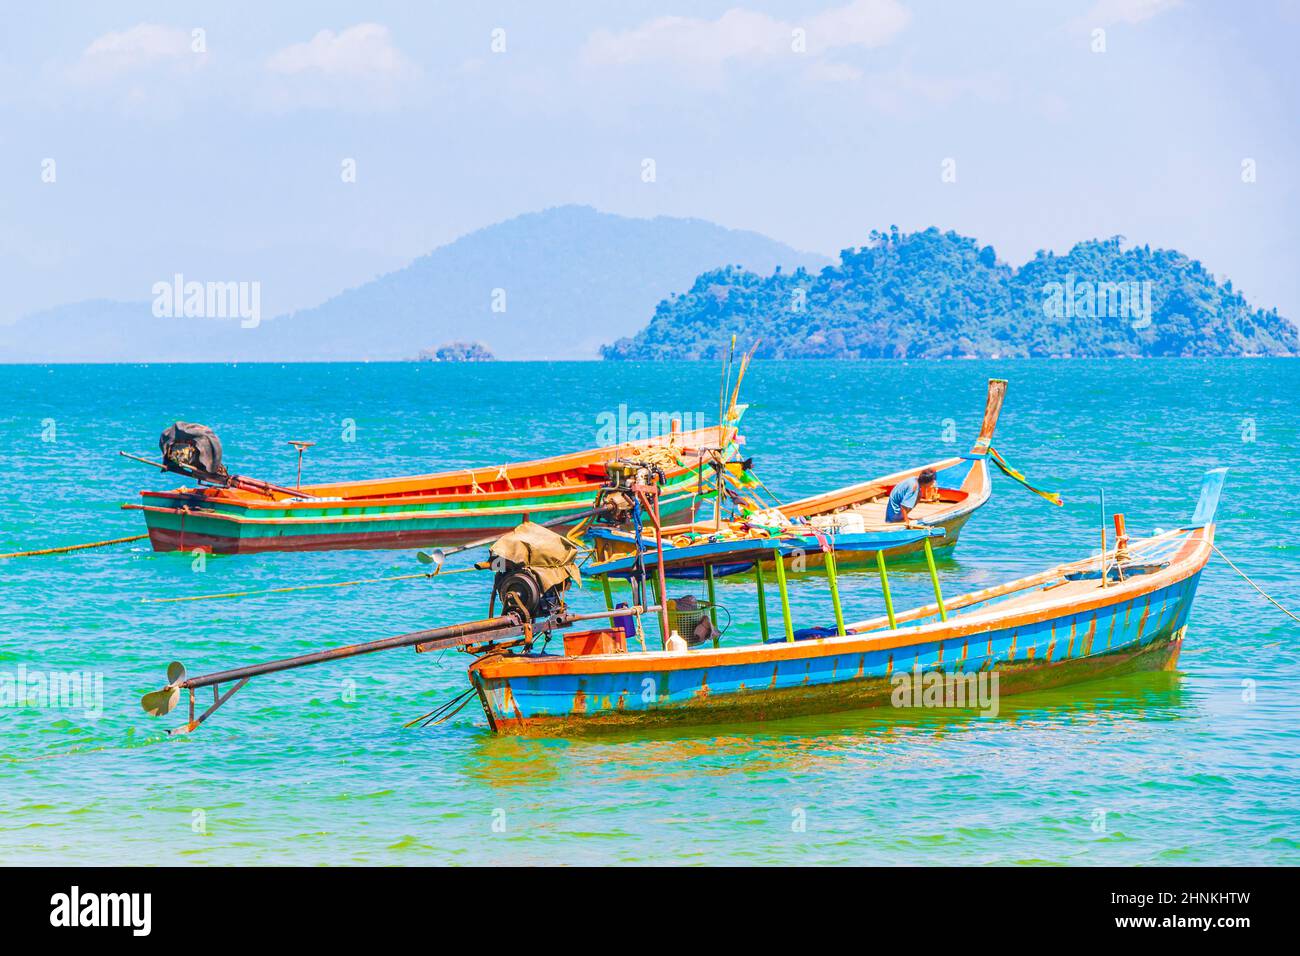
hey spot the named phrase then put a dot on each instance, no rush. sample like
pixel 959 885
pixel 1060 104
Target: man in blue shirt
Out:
pixel 906 494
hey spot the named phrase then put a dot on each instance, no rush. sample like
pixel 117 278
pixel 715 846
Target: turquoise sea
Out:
pixel 1197 767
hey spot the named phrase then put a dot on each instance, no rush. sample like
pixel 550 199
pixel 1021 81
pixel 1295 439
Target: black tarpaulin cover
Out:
pixel 194 445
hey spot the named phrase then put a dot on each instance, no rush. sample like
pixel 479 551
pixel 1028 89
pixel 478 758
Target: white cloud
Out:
pixel 864 23
pixel 363 50
pixel 744 35
pixel 358 69
pixel 142 47
pixel 735 34
pixel 1106 12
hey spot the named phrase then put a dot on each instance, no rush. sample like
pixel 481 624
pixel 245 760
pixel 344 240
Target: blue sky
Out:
pixel 225 162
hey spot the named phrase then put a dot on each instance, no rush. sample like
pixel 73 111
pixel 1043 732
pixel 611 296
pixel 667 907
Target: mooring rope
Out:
pixel 1245 577
pixel 74 547
pixel 304 587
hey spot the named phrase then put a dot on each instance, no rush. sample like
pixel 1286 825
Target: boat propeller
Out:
pixel 435 557
pixel 159 702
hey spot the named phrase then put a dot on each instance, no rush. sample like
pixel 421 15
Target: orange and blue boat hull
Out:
pixel 1143 634
pixel 1058 627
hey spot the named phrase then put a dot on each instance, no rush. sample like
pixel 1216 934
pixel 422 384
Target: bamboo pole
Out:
pixel 762 599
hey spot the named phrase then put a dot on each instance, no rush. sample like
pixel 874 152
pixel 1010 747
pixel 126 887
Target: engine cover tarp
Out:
pixel 549 555
pixel 204 441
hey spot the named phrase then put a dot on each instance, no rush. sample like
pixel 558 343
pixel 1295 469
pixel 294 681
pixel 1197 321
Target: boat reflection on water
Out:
pixel 834 740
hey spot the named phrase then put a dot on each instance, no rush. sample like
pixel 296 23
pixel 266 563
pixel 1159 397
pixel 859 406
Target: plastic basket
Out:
pixel 685 622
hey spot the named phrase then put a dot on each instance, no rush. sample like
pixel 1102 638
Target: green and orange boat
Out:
pixel 231 514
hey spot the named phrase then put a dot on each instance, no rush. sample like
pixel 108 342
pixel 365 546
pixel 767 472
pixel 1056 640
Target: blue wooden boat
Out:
pixel 1123 610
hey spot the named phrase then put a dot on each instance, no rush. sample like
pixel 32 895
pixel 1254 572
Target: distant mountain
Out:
pixel 102 330
pixel 551 284
pixel 942 295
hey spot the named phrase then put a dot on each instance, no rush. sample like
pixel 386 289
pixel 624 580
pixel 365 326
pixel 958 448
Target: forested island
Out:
pixel 938 294
pixel 458 352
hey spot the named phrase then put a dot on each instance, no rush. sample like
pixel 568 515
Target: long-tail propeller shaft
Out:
pixel 483 631
pixel 160 702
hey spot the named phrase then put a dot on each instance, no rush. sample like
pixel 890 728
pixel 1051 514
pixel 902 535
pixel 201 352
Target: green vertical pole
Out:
pixel 713 610
pixel 835 591
pixel 762 598
pixel 609 596
pixel 785 595
pixel 934 579
pixel 884 589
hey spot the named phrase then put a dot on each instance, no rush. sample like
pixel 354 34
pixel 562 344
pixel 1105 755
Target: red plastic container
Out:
pixel 601 641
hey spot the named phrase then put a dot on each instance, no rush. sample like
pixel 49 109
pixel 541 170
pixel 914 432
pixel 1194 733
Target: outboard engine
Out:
pixel 534 567
pixel 616 497
pixel 193 450
pixel 520 589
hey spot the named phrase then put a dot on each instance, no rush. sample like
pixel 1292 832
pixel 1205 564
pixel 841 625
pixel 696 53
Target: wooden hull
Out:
pixel 444 509
pixel 1036 642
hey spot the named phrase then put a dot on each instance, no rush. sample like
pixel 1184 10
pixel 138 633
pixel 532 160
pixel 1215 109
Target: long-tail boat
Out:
pixel 1122 610
pixel 234 515
pixel 851 519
